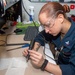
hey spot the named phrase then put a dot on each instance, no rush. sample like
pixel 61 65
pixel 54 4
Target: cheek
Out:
pixel 57 29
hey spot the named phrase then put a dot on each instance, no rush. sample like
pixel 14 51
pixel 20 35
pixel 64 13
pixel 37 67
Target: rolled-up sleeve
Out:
pixel 43 37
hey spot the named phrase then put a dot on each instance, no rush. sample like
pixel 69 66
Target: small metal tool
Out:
pixel 26 45
pixel 30 48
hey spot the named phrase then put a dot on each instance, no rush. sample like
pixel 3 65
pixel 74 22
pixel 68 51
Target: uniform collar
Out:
pixel 69 38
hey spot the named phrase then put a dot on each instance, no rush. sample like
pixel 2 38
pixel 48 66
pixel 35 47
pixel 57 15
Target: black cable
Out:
pixel 10 44
pixel 36 28
pixel 33 21
pixel 48 55
pixel 29 15
pixel 5 42
pixel 13 44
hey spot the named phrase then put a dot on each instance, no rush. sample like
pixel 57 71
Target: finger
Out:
pixel 33 58
pixel 24 53
pixel 34 52
pixel 35 55
pixel 26 50
pixel 37 62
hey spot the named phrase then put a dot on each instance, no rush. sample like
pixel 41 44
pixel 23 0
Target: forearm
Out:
pixel 36 46
pixel 54 69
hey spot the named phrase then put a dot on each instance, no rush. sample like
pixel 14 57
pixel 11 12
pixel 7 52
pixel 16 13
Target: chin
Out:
pixel 54 34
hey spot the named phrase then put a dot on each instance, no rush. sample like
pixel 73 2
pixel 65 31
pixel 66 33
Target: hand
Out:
pixel 36 58
pixel 25 52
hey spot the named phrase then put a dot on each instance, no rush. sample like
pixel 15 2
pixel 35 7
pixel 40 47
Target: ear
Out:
pixel 61 18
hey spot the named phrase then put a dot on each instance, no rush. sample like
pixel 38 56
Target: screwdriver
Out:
pixel 26 45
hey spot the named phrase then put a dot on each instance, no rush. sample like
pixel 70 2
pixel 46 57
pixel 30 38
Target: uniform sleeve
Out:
pixel 43 37
pixel 69 69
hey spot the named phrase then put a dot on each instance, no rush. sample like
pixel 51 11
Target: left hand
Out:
pixel 36 58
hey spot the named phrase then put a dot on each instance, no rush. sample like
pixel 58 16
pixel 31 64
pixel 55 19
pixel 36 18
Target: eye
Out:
pixel 47 23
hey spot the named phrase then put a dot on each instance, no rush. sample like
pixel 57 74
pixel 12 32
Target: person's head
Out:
pixel 52 16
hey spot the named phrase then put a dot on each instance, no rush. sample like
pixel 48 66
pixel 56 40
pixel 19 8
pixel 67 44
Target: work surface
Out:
pixel 13 62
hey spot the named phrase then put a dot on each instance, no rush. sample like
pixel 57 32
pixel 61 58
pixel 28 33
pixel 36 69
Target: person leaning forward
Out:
pixel 60 31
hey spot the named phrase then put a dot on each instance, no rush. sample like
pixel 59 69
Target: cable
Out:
pixel 28 14
pixel 48 55
pixel 4 42
pixel 37 30
pixel 10 44
pixel 33 21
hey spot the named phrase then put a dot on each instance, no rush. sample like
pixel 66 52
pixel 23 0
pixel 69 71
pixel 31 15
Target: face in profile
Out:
pixel 51 25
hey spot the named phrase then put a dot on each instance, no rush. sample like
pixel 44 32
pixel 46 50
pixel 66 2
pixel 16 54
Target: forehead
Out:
pixel 43 18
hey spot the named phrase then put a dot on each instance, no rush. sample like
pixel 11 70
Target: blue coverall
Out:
pixel 66 58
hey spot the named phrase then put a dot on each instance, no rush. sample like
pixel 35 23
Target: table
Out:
pixel 11 39
pixel 17 54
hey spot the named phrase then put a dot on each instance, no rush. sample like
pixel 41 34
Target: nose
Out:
pixel 46 30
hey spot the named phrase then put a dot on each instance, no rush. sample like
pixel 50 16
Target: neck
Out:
pixel 66 26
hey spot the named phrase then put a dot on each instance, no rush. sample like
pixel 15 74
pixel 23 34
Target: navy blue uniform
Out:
pixel 66 59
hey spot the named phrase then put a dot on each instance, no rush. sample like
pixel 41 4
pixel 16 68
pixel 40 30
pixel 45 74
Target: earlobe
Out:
pixel 61 18
pixel 62 21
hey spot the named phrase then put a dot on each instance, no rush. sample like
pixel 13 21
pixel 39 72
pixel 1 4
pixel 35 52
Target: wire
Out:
pixel 11 44
pixel 4 42
pixel 28 14
pixel 38 31
pixel 48 55
pixel 33 22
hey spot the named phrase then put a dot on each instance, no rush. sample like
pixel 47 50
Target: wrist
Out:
pixel 44 65
pixel 36 46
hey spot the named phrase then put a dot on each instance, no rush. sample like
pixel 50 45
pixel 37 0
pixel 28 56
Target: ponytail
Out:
pixel 66 8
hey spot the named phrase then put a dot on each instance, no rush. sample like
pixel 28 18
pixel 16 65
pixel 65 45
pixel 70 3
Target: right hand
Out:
pixel 25 52
pixel 37 58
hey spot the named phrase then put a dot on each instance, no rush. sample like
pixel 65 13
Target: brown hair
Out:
pixel 51 8
pixel 66 8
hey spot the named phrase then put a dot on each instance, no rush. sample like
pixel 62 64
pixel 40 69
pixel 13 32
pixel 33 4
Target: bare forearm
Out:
pixel 54 69
pixel 36 46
